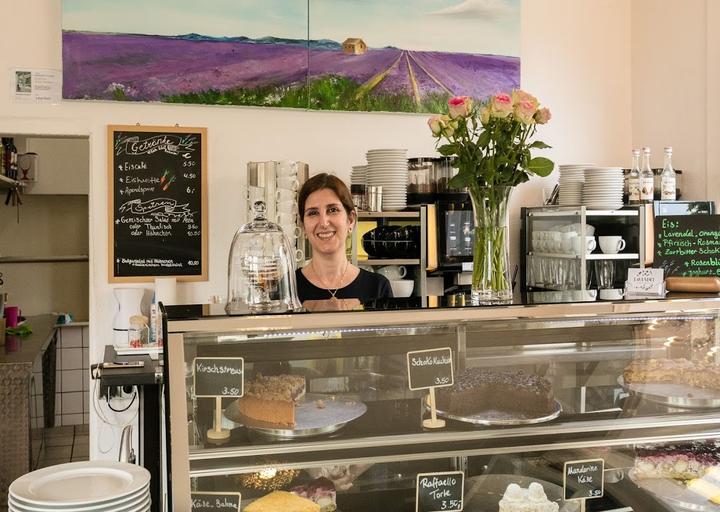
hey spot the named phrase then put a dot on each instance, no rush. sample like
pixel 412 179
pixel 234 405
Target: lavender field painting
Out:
pixel 392 55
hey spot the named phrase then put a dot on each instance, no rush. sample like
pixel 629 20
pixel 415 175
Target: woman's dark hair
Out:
pixel 320 182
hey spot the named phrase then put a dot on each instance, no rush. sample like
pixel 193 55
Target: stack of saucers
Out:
pixel 572 177
pixel 92 486
pixel 603 188
pixel 358 175
pixel 388 168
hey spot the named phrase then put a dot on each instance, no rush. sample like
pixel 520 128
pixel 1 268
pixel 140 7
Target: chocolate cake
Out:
pixel 681 461
pixel 697 374
pixel 271 400
pixel 477 390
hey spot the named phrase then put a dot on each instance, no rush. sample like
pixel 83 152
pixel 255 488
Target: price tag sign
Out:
pixel 431 368
pixel 583 479
pixel 440 492
pixel 218 376
pixel 222 501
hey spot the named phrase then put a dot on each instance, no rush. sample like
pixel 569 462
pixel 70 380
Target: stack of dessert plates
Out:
pixel 92 486
pixel 603 188
pixel 572 177
pixel 358 175
pixel 388 168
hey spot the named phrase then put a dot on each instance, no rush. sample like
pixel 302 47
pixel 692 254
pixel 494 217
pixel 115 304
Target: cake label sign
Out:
pixel 688 245
pixel 432 368
pixel 440 492
pixel 224 501
pixel 218 376
pixel 583 479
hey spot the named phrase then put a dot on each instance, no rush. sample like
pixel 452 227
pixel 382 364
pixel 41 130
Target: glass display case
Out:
pixel 635 385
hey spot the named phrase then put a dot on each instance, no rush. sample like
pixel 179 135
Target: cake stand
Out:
pixel 502 418
pixel 675 395
pixel 484 492
pixel 674 492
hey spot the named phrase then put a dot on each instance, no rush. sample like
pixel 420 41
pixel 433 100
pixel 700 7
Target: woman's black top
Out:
pixel 366 286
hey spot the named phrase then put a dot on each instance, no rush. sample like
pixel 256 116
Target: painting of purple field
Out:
pixel 348 56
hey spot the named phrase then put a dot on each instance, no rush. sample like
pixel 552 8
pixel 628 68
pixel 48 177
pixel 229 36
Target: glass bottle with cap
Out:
pixel 634 178
pixel 647 180
pixel 668 181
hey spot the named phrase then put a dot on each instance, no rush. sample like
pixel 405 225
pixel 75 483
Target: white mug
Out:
pixel 392 272
pixel 287 183
pixel 286 207
pixel 282 195
pixel 286 168
pixel 611 244
pixel 589 245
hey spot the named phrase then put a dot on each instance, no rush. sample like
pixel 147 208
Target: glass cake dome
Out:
pixel 261 268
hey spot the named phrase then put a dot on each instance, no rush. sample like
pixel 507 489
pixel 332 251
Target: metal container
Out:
pixel 374 199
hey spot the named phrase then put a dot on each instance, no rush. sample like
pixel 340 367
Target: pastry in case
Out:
pixel 320 491
pixel 282 501
pixel 699 374
pixel 678 461
pixel 272 399
pixel 532 499
pixel 477 389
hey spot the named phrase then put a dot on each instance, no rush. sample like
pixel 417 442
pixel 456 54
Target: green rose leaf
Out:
pixel 541 166
pixel 538 144
pixel 460 180
pixel 447 149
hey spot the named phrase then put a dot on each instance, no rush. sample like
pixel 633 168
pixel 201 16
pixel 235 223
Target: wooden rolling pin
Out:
pixel 705 284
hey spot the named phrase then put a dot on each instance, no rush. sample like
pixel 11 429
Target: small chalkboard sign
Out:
pixel 214 501
pixel 157 208
pixel 583 479
pixel 440 492
pixel 688 245
pixel 432 368
pixel 218 376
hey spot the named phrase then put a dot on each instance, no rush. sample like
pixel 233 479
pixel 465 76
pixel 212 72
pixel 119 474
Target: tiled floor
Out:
pixel 60 444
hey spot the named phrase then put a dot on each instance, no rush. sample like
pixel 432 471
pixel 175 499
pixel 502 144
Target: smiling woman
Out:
pixel 328 216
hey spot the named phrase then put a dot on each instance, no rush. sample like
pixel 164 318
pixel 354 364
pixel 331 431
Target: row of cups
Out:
pixel 570 242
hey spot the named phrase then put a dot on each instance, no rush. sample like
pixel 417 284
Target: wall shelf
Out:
pixel 44 259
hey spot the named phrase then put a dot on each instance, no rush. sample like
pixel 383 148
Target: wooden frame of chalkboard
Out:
pixel 157 203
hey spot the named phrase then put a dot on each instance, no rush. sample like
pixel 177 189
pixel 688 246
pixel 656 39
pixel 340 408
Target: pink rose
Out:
pixel 542 116
pixel 518 96
pixel 524 111
pixel 435 124
pixel 501 105
pixel 460 106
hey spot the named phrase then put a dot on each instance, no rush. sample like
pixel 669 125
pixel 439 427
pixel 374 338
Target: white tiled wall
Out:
pixel 72 380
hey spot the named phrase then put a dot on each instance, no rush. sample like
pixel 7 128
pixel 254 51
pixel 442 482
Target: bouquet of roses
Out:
pixel 491 141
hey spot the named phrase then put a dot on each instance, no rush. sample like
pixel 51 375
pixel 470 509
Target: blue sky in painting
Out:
pixel 475 26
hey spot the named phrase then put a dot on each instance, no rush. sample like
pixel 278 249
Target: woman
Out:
pixel 328 216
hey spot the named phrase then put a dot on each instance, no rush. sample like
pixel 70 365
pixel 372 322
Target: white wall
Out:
pixel 575 58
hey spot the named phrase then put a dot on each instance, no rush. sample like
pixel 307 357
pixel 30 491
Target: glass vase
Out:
pixel 491 282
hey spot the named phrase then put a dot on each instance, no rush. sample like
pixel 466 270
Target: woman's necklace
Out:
pixel 328 288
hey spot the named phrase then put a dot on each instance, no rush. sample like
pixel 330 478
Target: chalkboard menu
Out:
pixel 437 492
pixel 583 479
pixel 214 501
pixel 218 376
pixel 431 368
pixel 688 245
pixel 157 203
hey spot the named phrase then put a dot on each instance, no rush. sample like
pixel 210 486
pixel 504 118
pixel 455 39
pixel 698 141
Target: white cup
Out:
pixel 287 183
pixel 286 207
pixel 402 287
pixel 392 272
pixel 282 195
pixel 291 231
pixel 286 168
pixel 589 245
pixel 611 294
pixel 567 241
pixel 611 244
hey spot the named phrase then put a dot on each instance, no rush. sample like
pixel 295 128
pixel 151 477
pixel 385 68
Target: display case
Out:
pixel 633 386
pixel 578 248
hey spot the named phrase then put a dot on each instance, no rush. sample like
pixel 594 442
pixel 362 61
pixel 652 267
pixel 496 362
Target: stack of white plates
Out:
pixel 388 168
pixel 82 487
pixel 572 177
pixel 358 175
pixel 603 188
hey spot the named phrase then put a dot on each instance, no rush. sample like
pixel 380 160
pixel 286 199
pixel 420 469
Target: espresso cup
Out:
pixel 611 244
pixel 588 245
pixel 392 272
